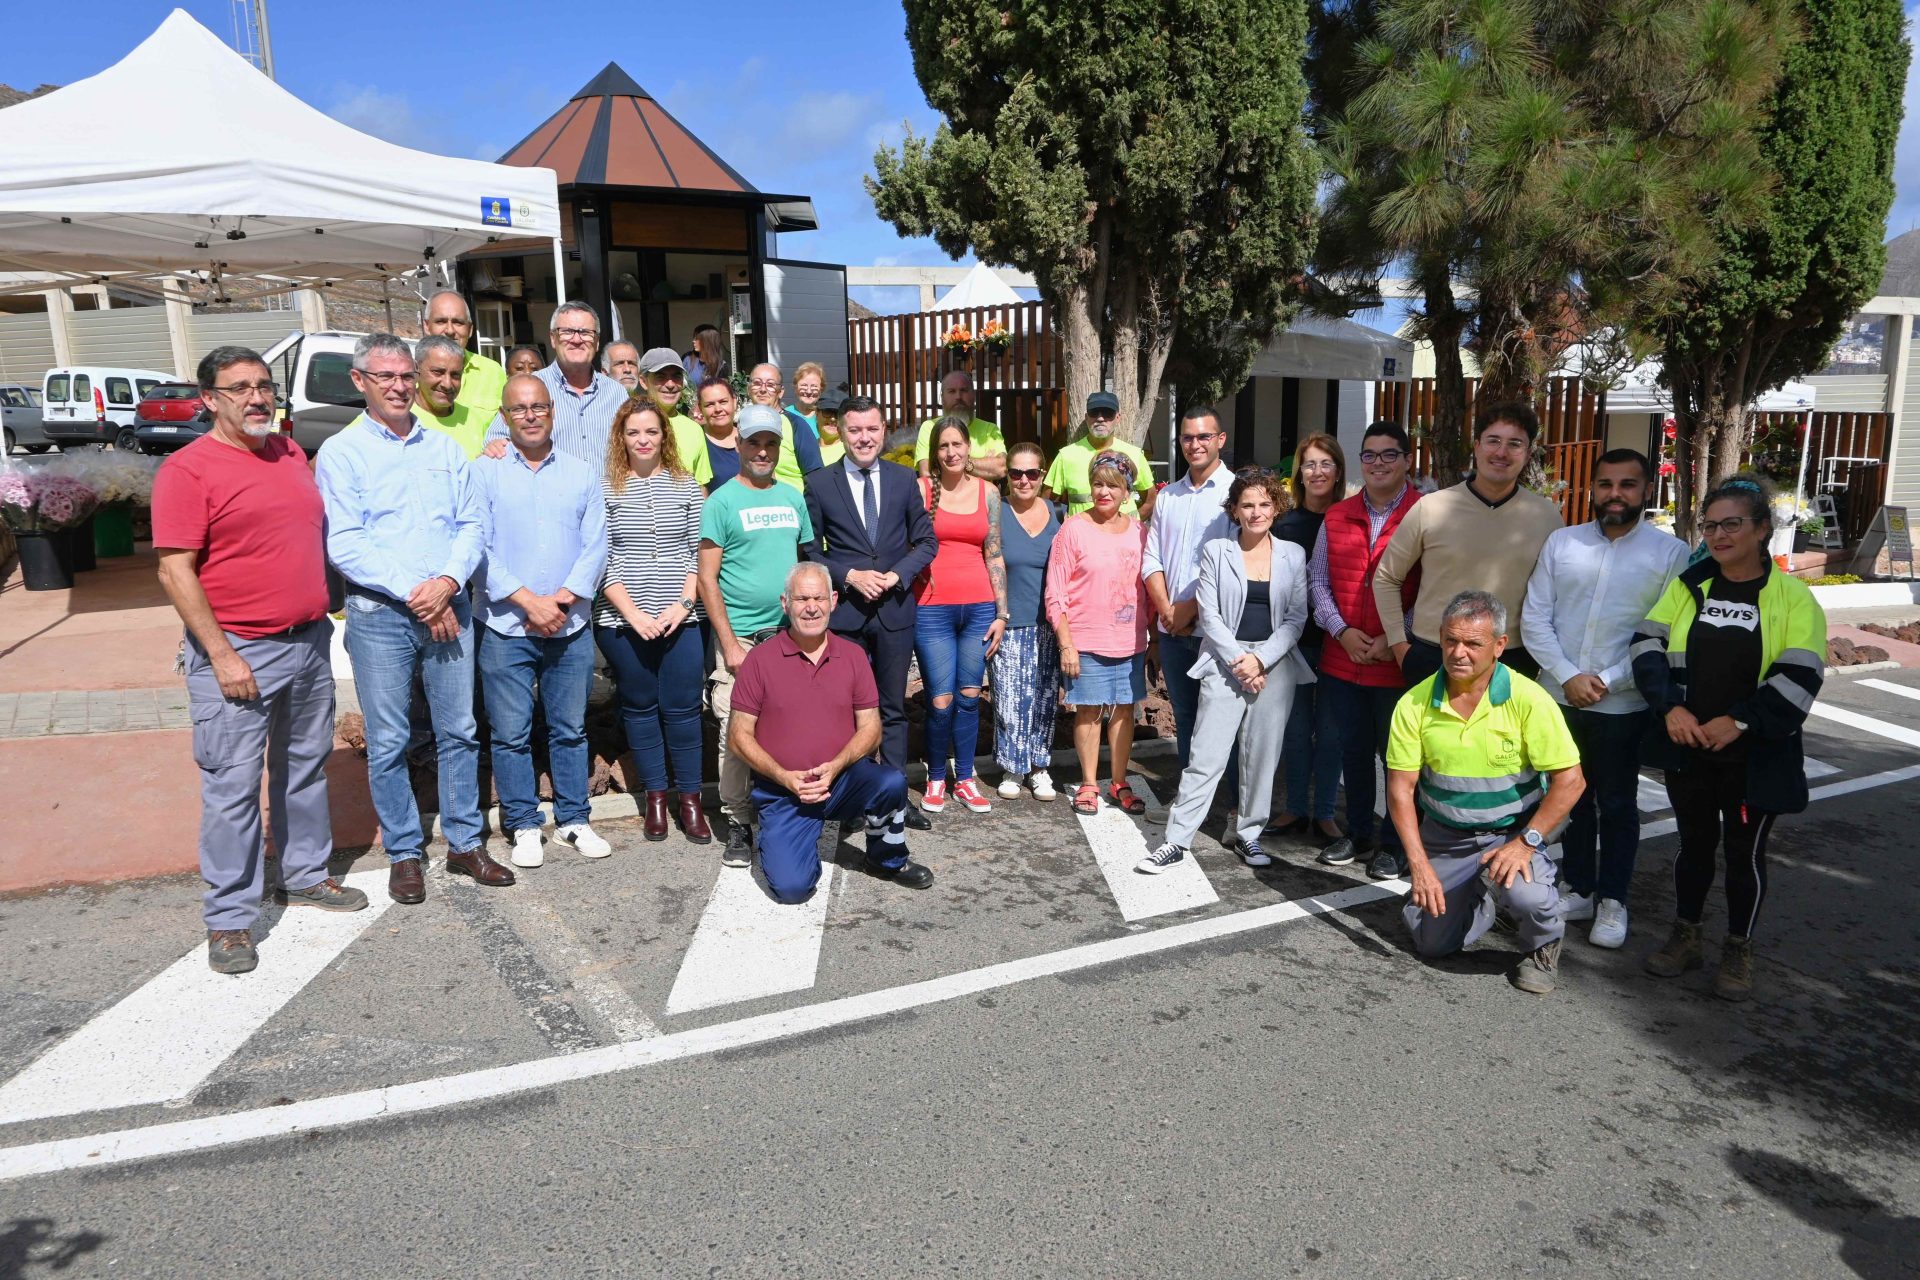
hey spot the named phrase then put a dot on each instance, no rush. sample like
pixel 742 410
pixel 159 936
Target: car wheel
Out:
pixel 7 433
pixel 38 448
pixel 126 441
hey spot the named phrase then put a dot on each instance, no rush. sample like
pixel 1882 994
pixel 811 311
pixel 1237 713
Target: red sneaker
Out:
pixel 967 791
pixel 934 798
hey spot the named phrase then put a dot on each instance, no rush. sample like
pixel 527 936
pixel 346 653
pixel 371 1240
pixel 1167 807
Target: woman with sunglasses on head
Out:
pixel 961 614
pixel 1026 670
pixel 1730 660
pixel 1098 606
pixel 1313 740
pixel 1253 605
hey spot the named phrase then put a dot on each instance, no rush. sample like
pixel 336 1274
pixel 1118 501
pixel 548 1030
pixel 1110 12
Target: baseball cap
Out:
pixel 1098 400
pixel 758 420
pixel 658 358
pixel 832 400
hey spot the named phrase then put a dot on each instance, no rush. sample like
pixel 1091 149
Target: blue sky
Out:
pixel 794 96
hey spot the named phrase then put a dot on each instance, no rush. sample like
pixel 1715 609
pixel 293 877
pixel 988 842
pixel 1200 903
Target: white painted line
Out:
pixel 1887 686
pixel 161 1042
pixel 748 946
pixel 543 929
pixel 1118 843
pixel 1818 768
pixel 1653 796
pixel 127 1145
pixel 1853 719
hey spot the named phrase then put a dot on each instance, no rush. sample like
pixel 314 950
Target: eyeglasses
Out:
pixel 763 382
pixel 1322 464
pixel 528 410
pixel 1732 524
pixel 1200 438
pixel 388 379
pixel 1030 474
pixel 575 333
pixel 1371 456
pixel 248 390
pixel 1101 415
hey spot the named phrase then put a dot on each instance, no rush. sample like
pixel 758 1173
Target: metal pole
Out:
pixel 266 41
pixel 559 272
pixel 386 302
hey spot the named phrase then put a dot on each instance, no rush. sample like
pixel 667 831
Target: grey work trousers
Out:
pixel 1471 899
pixel 289 727
pixel 1227 715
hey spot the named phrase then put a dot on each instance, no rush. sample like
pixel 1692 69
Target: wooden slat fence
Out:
pixel 899 361
pixel 1857 443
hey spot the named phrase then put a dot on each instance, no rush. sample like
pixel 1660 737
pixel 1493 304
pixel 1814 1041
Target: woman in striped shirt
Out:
pixel 646 617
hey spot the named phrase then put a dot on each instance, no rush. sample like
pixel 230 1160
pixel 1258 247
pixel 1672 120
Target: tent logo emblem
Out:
pixel 496 211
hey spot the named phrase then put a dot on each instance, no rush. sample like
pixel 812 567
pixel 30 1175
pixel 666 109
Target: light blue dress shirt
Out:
pixel 546 529
pixel 1186 517
pixel 582 420
pixel 400 509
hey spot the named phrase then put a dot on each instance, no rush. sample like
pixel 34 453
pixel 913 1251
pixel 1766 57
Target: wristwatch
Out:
pixel 1741 725
pixel 686 602
pixel 1534 839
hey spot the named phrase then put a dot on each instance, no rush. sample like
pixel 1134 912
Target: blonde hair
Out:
pixel 810 368
pixel 619 467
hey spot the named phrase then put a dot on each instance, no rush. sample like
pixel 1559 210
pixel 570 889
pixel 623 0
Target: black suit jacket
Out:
pixel 904 546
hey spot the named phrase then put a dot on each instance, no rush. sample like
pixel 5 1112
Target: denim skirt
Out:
pixel 1108 682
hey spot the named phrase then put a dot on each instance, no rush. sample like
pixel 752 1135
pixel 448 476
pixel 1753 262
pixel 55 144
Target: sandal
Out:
pixel 1086 798
pixel 1122 796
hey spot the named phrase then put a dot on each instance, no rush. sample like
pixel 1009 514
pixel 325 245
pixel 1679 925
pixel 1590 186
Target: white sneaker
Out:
pixel 1575 906
pixel 582 837
pixel 1609 925
pixel 1160 859
pixel 526 848
pixel 1042 785
pixel 1009 788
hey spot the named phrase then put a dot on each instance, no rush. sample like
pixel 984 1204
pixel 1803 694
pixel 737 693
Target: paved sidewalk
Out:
pixel 39 715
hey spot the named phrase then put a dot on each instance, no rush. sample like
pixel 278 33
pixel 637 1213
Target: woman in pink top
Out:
pixel 1098 606
pixel 962 614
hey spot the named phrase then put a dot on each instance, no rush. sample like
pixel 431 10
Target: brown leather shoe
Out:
pixel 484 870
pixel 405 884
pixel 693 819
pixel 656 828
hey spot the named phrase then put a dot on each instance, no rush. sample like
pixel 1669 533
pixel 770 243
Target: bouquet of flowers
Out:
pixel 121 479
pixel 958 338
pixel 44 499
pixel 994 334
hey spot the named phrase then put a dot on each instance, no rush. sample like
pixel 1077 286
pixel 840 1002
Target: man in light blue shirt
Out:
pixel 584 399
pixel 405 529
pixel 1189 513
pixel 546 546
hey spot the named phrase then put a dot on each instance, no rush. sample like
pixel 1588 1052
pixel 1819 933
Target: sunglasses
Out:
pixel 1025 473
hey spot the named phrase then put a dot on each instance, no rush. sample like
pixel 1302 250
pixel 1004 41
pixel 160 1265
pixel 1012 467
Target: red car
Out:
pixel 170 417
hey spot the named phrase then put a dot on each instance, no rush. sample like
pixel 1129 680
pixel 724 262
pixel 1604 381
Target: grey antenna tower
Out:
pixel 250 36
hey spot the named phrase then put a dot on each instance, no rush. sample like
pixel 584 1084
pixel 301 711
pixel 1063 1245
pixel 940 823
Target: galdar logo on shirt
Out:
pixel 760 519
pixel 1723 613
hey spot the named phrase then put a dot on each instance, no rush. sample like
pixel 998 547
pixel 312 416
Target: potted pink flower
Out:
pixel 40 504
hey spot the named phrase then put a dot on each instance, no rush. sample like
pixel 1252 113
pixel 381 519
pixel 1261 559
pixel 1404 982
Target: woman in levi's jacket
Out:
pixel 1098 606
pixel 1730 660
pixel 961 615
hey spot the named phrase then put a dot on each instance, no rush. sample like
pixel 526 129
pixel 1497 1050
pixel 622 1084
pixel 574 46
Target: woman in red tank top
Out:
pixel 961 616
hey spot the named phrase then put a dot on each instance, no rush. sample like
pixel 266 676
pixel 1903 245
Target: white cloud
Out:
pixel 386 115
pixel 819 122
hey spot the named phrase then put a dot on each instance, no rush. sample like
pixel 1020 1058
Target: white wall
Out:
pixel 807 318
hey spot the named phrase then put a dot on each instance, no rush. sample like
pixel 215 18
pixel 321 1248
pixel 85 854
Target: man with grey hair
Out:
pixel 584 399
pixel 406 530
pixel 447 315
pixel 806 720
pixel 621 362
pixel 1464 763
pixel 436 402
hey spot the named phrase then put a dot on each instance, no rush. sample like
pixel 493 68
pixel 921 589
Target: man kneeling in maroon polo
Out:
pixel 806 718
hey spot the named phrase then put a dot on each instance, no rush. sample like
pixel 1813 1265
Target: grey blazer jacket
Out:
pixel 1222 598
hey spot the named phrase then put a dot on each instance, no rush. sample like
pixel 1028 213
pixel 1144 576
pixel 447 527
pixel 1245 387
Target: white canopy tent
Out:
pixel 1641 392
pixel 223 171
pixel 980 287
pixel 1324 347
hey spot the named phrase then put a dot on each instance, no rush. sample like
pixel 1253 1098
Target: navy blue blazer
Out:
pixel 905 544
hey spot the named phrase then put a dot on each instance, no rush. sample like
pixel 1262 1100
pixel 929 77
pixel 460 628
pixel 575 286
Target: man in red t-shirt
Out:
pixel 240 532
pixel 806 718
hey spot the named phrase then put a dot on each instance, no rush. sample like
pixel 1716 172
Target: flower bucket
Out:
pixel 80 547
pixel 43 561
pixel 113 532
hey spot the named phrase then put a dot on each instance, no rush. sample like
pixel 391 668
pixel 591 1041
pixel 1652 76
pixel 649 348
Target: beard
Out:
pixel 259 431
pixel 1621 516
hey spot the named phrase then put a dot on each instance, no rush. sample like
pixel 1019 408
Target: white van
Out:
pixel 88 404
pixel 317 395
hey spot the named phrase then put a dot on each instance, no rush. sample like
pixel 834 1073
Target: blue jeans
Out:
pixel 790 831
pixel 562 666
pixel 1311 755
pixel 1609 807
pixel 660 682
pixel 1177 656
pixel 388 646
pixel 951 641
pixel 1364 714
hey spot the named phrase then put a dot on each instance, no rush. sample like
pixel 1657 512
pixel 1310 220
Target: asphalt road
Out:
pixel 1000 1076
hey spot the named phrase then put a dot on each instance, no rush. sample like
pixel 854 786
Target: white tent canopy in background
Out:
pixel 980 287
pixel 182 156
pixel 1323 347
pixel 1640 392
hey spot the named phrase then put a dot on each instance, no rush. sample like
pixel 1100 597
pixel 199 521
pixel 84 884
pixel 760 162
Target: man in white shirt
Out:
pixel 1592 584
pixel 1190 512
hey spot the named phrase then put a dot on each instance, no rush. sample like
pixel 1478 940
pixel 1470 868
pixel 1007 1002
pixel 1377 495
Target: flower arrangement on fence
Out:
pixel 44 499
pixel 959 338
pixel 995 335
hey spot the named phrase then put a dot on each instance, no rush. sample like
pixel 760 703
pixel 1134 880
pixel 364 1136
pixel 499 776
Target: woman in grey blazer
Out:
pixel 1253 604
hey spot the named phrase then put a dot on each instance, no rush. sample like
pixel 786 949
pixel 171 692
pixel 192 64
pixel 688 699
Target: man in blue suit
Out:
pixel 872 531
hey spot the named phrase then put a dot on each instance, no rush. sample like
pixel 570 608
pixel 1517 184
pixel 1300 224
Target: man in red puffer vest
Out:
pixel 1358 675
